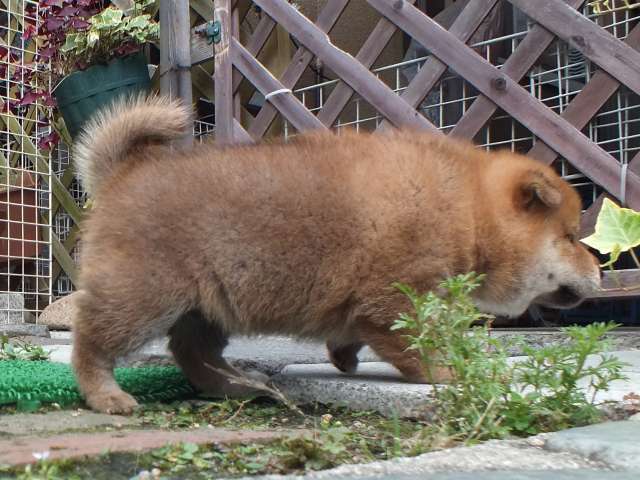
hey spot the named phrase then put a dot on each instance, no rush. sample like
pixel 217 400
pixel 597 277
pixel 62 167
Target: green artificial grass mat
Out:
pixel 33 383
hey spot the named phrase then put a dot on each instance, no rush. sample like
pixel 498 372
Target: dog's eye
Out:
pixel 571 237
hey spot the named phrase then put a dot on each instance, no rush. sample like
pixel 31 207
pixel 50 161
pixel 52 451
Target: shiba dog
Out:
pixel 303 238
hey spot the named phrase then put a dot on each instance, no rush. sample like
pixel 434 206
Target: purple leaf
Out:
pixel 54 23
pixel 68 11
pixel 49 141
pixel 47 53
pixel 80 24
pixel 29 98
pixel 85 13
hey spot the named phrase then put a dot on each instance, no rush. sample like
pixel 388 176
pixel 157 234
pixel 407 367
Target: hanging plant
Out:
pixel 74 35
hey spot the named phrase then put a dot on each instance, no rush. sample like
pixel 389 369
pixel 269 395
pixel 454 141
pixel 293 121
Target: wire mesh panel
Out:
pixel 25 196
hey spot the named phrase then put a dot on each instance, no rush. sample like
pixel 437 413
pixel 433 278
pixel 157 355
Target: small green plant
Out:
pixel 489 396
pixel 19 350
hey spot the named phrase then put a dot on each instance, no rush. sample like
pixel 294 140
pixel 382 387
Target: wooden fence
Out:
pixel 239 63
pixel 558 134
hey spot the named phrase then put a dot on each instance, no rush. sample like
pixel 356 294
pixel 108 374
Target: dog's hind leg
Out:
pixel 104 330
pixel 197 344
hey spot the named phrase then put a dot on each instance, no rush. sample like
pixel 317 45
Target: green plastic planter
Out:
pixel 82 93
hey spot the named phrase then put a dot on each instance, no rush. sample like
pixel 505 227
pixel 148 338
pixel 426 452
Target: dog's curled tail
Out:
pixel 114 132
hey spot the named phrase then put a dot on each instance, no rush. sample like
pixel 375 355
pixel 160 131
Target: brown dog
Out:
pixel 303 238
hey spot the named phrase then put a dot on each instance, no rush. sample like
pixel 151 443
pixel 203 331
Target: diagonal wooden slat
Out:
pixel 204 8
pixel 585 105
pixel 65 180
pixel 463 28
pixel 73 237
pixel 368 53
pixel 240 134
pixel 517 65
pixel 285 102
pixel 64 259
pixel 301 59
pixel 368 86
pixel 255 44
pixel 592 160
pixel 595 43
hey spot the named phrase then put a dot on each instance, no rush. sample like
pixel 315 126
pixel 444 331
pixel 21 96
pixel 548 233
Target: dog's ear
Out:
pixel 537 190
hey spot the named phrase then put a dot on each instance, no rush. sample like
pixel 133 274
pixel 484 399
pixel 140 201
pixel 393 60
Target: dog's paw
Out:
pixel 112 402
pixel 345 357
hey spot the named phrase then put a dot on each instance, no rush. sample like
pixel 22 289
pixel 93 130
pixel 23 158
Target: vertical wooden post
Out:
pixel 222 75
pixel 175 54
pixel 235 32
pixel 168 77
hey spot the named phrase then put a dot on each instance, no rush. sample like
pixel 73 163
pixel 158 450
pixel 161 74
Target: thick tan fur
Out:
pixel 303 238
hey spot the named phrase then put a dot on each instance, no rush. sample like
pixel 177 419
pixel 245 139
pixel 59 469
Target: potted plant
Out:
pixel 94 52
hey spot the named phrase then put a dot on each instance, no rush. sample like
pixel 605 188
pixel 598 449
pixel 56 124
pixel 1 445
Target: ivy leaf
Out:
pixel 70 42
pixel 617 229
pixel 140 21
pixel 92 38
pixel 109 18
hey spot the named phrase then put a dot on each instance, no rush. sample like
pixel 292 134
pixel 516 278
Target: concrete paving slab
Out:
pixel 376 386
pixel 614 443
pixel 507 456
pixel 62 421
pixel 513 475
pixel 266 354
